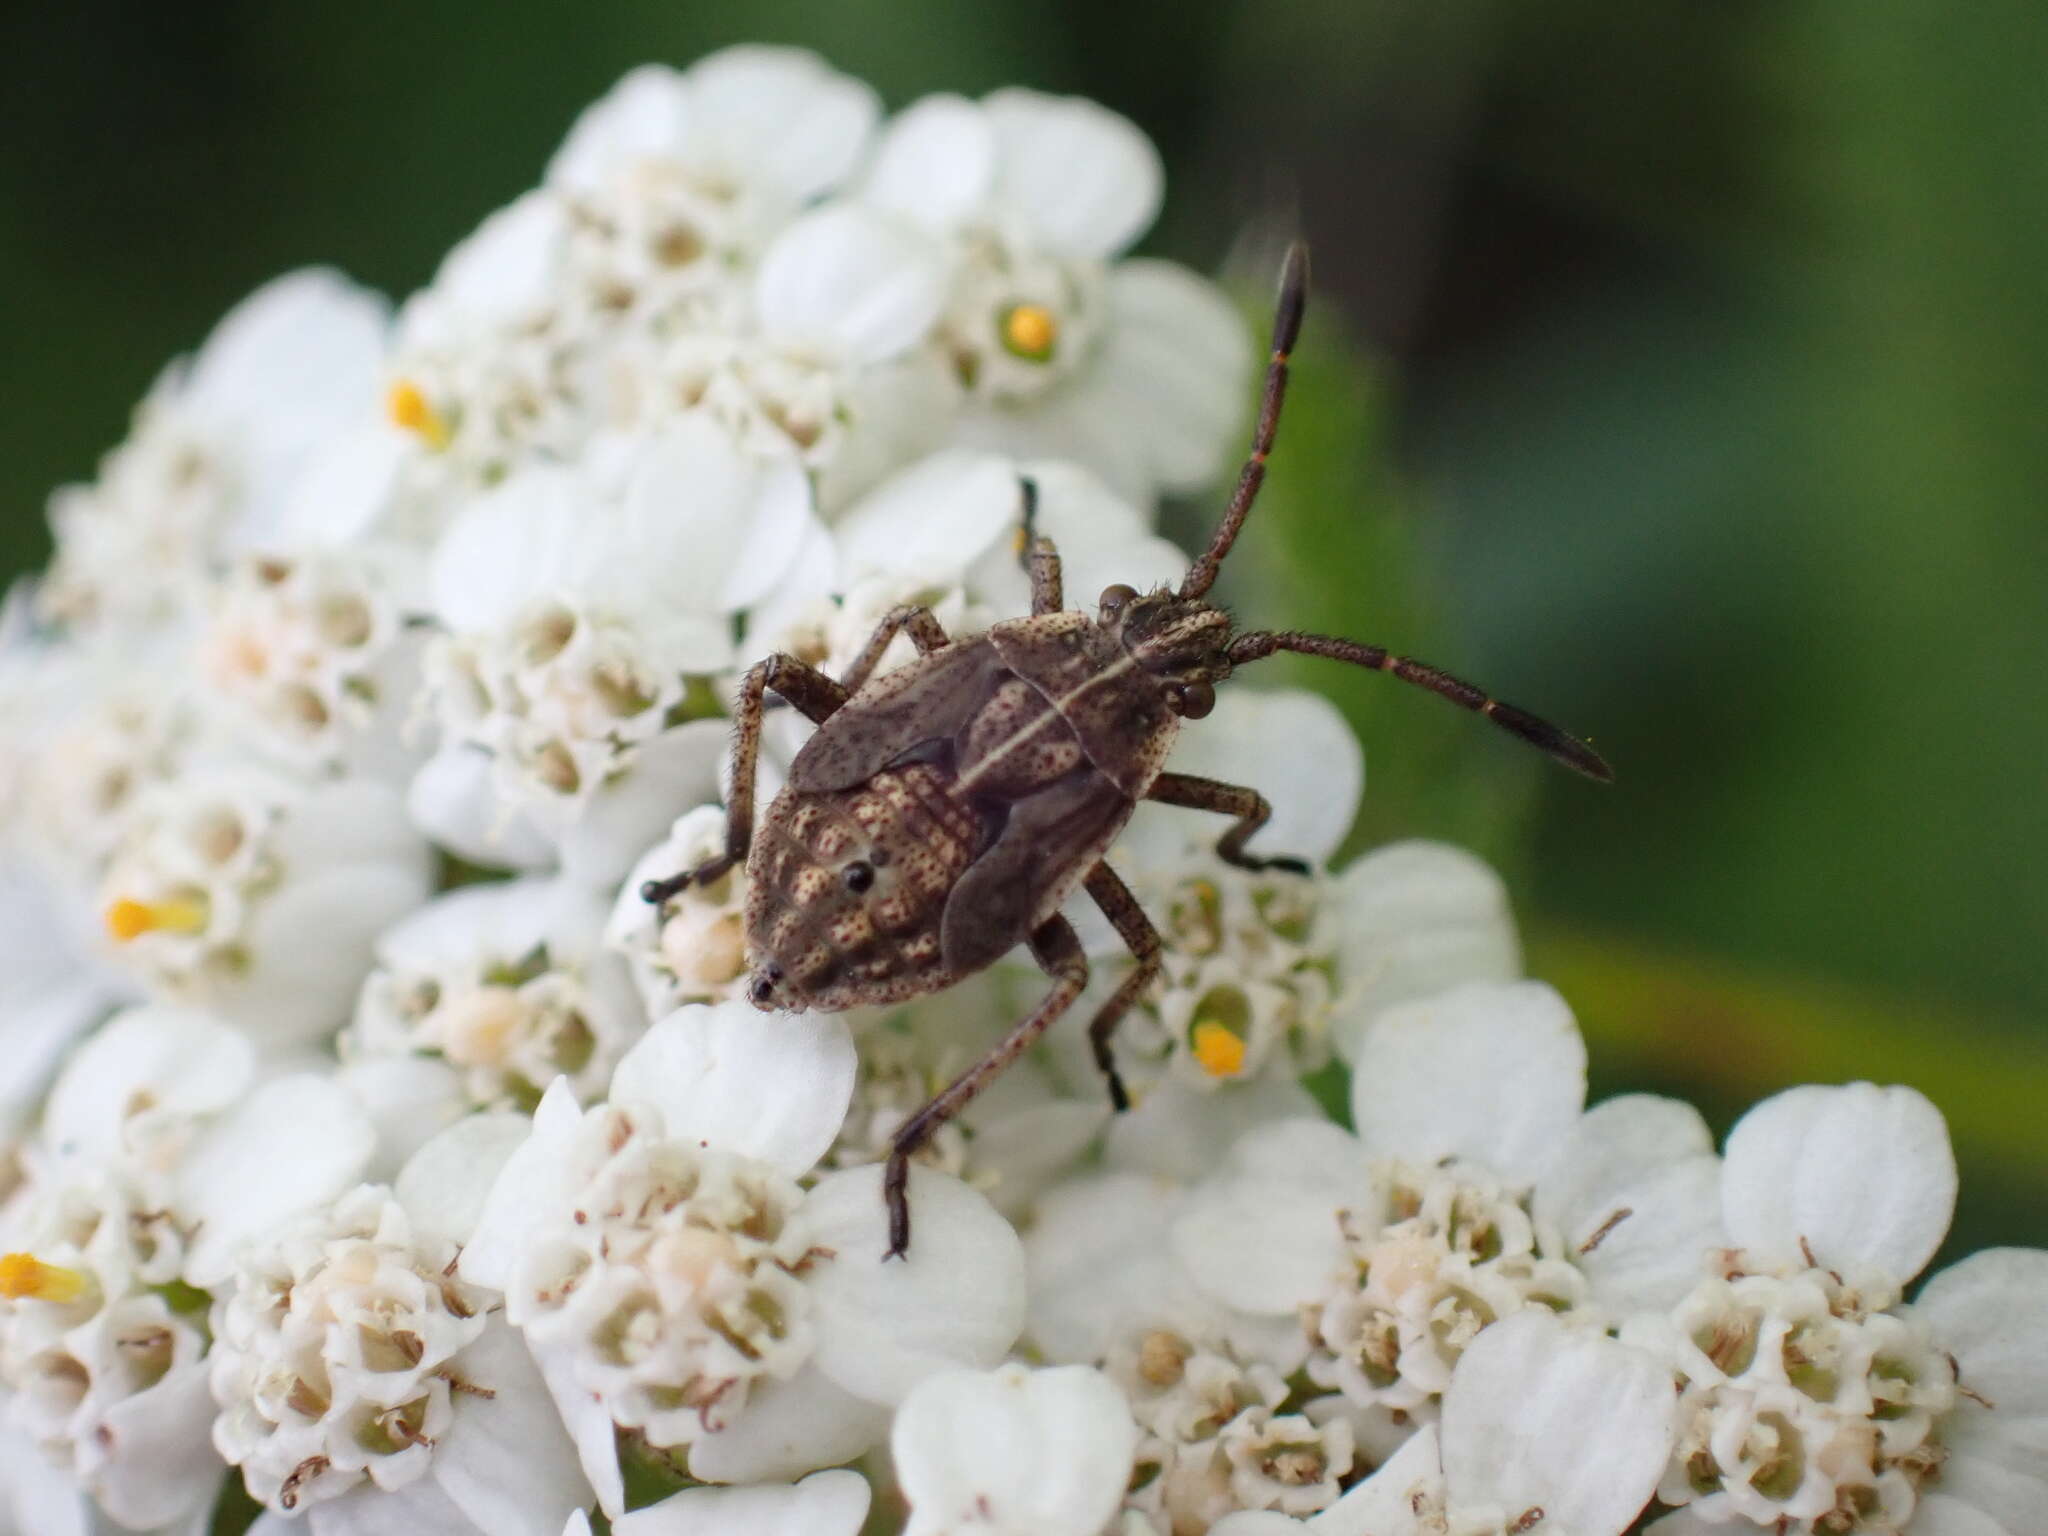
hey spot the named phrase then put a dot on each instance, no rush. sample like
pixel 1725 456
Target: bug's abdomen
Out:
pixel 847 888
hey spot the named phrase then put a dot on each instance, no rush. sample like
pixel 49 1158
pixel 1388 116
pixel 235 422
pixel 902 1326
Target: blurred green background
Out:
pixel 1675 370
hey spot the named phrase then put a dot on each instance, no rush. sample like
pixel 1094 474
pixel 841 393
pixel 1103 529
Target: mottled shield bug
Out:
pixel 942 812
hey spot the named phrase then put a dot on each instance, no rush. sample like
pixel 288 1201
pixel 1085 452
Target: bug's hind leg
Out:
pixel 926 633
pixel 1058 949
pixel 1109 892
pixel 1246 804
pixel 810 691
pixel 1041 561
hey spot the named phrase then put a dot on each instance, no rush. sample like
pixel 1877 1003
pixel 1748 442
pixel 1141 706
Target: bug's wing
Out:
pixel 1047 845
pixel 929 699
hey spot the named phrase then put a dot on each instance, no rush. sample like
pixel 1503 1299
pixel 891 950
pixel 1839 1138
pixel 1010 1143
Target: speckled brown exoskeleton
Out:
pixel 943 812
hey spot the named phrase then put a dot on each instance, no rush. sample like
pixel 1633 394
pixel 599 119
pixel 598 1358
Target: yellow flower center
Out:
pixel 411 409
pixel 24 1277
pixel 129 919
pixel 1030 331
pixel 1220 1052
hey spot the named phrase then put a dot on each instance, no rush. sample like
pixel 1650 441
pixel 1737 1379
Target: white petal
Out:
pixel 823 1504
pixel 1863 1174
pixel 292 1145
pixel 41 1500
pixel 772 1085
pixel 420 1508
pixel 1386 1503
pixel 929 523
pixel 454 799
pixel 1179 1131
pixel 1542 1414
pixel 781 115
pixel 590 1428
pixel 1262 1245
pixel 645 116
pixel 506 1461
pixel 512 546
pixel 679 767
pixel 1638 1180
pixel 1014 1450
pixel 408 1099
pixel 443 1186
pixel 790 1428
pixel 1083 180
pixel 301 354
pixel 502 274
pixel 1314 785
pixel 1024 1149
pixel 157 1462
pixel 1258 1522
pixel 935 163
pixel 1418 917
pixel 957 1298
pixel 1100 1259
pixel 852 278
pixel 1492 1073
pixel 1941 1514
pixel 533 1190
pixel 717 528
pixel 1987 1311
pixel 174 1060
pixel 1175 366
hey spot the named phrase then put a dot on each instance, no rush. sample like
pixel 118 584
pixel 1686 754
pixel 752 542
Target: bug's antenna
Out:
pixel 1539 733
pixel 1286 327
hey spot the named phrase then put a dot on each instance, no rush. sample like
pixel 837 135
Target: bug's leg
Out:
pixel 1247 805
pixel 925 633
pixel 1110 893
pixel 1057 948
pixel 810 691
pixel 1041 561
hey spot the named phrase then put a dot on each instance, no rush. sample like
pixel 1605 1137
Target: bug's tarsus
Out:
pixel 1057 948
pixel 1536 731
pixel 1286 330
pixel 1108 891
pixel 1251 809
pixel 1041 561
pixel 655 892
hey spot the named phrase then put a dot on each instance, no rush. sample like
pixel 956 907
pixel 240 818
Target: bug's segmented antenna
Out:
pixel 1286 328
pixel 1539 733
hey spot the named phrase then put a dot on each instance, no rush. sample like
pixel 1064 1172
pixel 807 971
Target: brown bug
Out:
pixel 943 812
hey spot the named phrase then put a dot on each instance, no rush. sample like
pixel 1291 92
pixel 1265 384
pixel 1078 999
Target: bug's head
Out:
pixel 769 990
pixel 1183 642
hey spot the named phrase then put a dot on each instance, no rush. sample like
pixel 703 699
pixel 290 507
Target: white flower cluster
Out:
pixel 372 1151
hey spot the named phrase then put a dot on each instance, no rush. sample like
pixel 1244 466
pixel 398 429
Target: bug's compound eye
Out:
pixel 1194 700
pixel 761 990
pixel 1115 599
pixel 858 876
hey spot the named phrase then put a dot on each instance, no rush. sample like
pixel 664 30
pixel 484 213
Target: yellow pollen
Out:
pixel 1220 1052
pixel 24 1277
pixel 1030 331
pixel 129 919
pixel 410 409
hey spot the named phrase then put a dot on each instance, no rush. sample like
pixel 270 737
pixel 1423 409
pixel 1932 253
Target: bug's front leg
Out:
pixel 1041 560
pixel 1246 804
pixel 810 691
pixel 1057 948
pixel 926 633
pixel 1109 892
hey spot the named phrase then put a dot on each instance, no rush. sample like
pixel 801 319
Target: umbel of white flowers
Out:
pixel 366 1140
